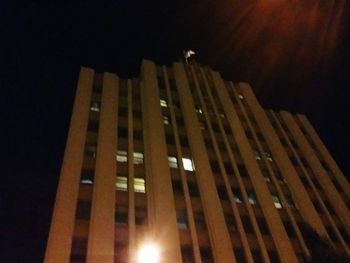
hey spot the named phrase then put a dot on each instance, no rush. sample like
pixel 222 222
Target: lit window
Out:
pixel 87 177
pixel 163 103
pixel 268 156
pixel 181 220
pixel 199 110
pixel 240 96
pixel 276 201
pixel 86 181
pixel 222 115
pixel 139 185
pixel 251 198
pixel 138 158
pixel 122 183
pixel 172 162
pixel 237 199
pixel 188 165
pixel 166 120
pixel 122 156
pixel 95 106
pixel 257 155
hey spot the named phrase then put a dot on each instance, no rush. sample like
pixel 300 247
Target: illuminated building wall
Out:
pixel 193 163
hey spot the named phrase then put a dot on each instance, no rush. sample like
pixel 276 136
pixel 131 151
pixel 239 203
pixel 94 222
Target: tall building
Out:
pixel 194 165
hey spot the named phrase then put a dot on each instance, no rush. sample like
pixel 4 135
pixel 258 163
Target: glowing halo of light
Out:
pixel 148 252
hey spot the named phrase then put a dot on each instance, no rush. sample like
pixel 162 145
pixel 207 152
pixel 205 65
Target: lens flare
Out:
pixel 148 253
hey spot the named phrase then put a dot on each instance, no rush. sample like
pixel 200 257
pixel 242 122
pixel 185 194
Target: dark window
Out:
pixel 140 215
pixel 172 84
pixel 230 223
pixel 181 218
pixel 257 256
pixel 161 82
pixel 187 255
pixel 263 226
pixel 242 170
pixel 206 255
pixel 239 255
pixel 247 225
pixel 93 126
pixel 193 189
pixel 274 257
pixel 83 210
pixel 121 215
pixel 222 192
pixel 177 187
pixel 289 228
pixel 90 150
pixel 199 220
pixel 260 136
pixel 122 132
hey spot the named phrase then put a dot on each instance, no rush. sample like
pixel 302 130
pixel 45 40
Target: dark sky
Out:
pixel 294 53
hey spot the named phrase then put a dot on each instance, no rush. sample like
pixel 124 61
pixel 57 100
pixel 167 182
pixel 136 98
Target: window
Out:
pixel 187 163
pixel 187 255
pixel 199 110
pixel 95 106
pixel 166 120
pixel 122 183
pixel 240 96
pixel 140 215
pixel 90 150
pixel 237 196
pixel 268 156
pixel 276 201
pixel 230 223
pixel 122 156
pixel 121 215
pixel 266 175
pixel 181 220
pixel 206 255
pixel 139 185
pixel 199 220
pixel 257 155
pixel 172 161
pixel 83 210
pixel 163 103
pixel 252 198
pixel 138 158
pixel 87 177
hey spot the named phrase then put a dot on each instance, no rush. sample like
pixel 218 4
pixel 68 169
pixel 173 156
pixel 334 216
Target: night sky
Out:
pixel 294 53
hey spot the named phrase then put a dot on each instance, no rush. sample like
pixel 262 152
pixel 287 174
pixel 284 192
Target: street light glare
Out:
pixel 148 253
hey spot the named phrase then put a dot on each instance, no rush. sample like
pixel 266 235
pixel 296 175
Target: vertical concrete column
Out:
pixel 217 229
pixel 162 213
pixel 62 225
pixel 332 194
pixel 101 232
pixel 280 156
pixel 338 174
pixel 283 245
pixel 131 193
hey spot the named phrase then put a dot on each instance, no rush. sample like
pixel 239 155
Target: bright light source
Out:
pixel 148 253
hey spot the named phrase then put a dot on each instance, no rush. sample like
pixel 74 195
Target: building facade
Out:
pixel 194 164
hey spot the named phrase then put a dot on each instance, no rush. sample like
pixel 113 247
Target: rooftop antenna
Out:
pixel 188 54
